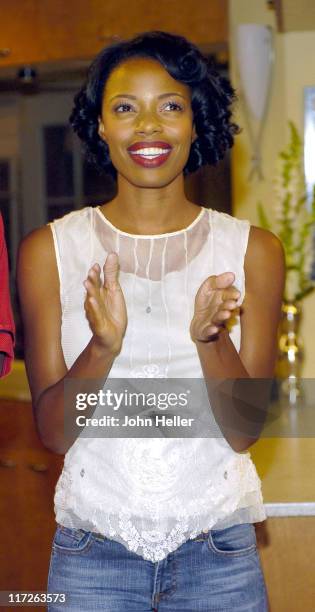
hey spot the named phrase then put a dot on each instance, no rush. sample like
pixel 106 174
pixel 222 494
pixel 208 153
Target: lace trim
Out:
pixel 155 537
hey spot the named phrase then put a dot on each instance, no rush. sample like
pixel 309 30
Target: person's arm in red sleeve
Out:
pixel 7 328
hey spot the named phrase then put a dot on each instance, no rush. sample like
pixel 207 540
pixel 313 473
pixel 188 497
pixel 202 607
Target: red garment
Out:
pixel 7 328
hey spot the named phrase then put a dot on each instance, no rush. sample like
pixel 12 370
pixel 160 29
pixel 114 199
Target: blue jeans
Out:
pixel 217 571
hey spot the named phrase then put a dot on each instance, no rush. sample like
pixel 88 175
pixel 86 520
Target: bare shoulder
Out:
pixel 37 274
pixel 38 241
pixel 264 256
pixel 264 243
pixel 36 256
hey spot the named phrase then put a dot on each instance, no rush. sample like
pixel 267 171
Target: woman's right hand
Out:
pixel 105 305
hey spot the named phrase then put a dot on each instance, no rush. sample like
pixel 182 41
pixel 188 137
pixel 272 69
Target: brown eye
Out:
pixel 174 106
pixel 123 107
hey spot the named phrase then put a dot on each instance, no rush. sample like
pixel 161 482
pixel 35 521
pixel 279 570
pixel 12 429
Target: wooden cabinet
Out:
pixel 287 544
pixel 287 552
pixel 52 30
pixel 28 473
pixel 19 32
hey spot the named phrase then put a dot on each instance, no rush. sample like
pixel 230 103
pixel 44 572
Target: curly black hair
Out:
pixel 211 97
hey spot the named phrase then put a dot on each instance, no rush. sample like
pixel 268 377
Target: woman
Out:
pixel 149 286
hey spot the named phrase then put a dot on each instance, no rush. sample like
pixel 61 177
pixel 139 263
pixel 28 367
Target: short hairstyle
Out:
pixel 211 97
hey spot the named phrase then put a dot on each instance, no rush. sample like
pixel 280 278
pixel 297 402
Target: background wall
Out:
pixel 294 69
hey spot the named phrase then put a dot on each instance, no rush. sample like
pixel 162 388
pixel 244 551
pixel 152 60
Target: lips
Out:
pixel 149 154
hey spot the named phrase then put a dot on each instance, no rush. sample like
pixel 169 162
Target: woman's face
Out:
pixel 147 122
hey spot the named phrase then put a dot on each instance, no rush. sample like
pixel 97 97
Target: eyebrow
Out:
pixel 131 97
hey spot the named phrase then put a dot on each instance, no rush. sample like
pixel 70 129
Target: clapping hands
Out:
pixel 214 304
pixel 105 305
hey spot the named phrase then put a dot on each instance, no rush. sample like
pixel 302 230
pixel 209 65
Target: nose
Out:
pixel 148 123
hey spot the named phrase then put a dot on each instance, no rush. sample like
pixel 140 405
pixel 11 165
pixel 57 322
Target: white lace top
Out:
pixel 152 494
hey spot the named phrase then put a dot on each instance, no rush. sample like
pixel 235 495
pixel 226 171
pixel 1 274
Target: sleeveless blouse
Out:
pixel 152 494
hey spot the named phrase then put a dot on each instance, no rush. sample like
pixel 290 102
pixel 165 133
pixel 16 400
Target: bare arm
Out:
pixel 38 285
pixel 240 401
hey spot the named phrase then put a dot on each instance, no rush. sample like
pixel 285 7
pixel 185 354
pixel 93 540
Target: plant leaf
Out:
pixel 263 219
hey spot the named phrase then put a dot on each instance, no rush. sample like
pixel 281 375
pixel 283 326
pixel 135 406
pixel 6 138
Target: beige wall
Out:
pixel 294 68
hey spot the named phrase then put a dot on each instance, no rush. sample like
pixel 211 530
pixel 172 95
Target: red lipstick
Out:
pixel 150 154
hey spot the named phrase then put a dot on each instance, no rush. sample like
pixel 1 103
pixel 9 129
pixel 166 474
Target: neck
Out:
pixel 141 210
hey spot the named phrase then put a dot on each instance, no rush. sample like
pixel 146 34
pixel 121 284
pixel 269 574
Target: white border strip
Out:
pixel 290 509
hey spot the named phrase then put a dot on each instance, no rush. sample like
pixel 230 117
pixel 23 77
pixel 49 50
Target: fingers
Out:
pixel 111 270
pixel 231 293
pixel 229 304
pixel 91 308
pixel 93 303
pixel 221 316
pixel 221 281
pixel 92 283
pixel 94 273
pixel 226 309
pixel 215 302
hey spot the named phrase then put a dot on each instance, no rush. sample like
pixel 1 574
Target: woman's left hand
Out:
pixel 215 302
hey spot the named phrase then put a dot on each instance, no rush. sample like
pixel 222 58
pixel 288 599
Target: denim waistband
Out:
pixel 201 536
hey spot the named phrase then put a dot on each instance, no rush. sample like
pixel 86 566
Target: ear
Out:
pixel 101 129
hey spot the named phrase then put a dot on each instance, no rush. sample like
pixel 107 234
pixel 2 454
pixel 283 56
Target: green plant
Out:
pixel 294 222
